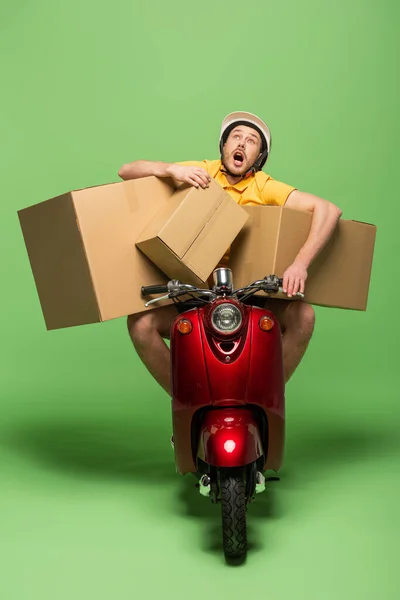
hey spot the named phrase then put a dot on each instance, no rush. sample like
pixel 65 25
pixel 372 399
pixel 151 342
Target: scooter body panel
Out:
pixel 204 380
pixel 229 438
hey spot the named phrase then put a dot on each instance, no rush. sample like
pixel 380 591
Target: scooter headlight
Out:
pixel 226 318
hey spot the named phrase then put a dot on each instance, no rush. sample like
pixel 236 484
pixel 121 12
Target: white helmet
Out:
pixel 246 118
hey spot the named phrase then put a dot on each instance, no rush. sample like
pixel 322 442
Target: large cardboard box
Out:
pixel 81 247
pixel 191 233
pixel 268 244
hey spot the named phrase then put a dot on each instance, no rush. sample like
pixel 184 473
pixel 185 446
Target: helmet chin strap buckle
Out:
pixel 250 172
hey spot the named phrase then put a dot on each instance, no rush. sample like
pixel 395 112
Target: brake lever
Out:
pixel 166 297
pixel 299 294
pixel 174 293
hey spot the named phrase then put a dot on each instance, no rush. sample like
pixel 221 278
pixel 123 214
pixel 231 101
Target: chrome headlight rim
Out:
pixel 226 332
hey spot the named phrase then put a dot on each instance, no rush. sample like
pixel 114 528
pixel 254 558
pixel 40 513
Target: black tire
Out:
pixel 233 504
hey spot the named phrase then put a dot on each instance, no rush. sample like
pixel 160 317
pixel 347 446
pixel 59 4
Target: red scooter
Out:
pixel 228 394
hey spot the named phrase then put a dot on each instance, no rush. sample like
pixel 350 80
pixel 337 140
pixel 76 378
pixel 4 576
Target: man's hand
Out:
pixel 294 279
pixel 196 176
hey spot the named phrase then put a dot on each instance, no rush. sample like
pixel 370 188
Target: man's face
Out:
pixel 241 149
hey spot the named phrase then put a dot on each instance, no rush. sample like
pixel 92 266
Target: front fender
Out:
pixel 229 437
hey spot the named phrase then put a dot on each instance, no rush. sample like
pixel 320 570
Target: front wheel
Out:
pixel 233 503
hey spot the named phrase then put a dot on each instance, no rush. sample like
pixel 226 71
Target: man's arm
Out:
pixel 325 218
pixel 195 176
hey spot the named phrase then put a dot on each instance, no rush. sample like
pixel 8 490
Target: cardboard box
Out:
pixel 82 252
pixel 268 244
pixel 191 233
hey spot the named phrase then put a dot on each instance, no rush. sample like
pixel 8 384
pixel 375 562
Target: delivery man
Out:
pixel 245 144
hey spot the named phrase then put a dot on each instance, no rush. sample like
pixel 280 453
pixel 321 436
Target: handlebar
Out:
pixel 176 288
pixel 147 290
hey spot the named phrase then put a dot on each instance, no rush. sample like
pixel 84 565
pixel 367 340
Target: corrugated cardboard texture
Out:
pixel 254 249
pixel 197 232
pixel 82 252
pixel 176 226
pixel 294 229
pixel 58 263
pixel 218 233
pixel 160 220
pixel 340 275
pixel 166 260
pixel 110 218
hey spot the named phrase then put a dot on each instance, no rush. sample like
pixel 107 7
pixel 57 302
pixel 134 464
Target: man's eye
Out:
pixel 251 141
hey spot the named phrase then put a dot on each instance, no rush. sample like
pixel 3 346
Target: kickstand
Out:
pixel 272 478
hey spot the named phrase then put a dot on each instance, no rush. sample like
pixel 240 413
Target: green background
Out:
pixel 90 503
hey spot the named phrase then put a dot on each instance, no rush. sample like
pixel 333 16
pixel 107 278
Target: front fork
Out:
pixel 255 484
pixel 230 443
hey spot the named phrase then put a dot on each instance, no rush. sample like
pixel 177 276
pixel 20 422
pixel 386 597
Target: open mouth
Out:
pixel 238 158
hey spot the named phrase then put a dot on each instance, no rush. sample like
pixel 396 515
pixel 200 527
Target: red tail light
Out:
pixel 229 446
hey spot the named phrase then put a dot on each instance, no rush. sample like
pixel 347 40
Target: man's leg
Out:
pixel 147 331
pixel 297 320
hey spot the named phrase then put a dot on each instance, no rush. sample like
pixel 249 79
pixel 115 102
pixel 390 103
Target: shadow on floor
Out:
pixel 89 448
pixel 312 454
pixel 192 505
pixel 314 450
pixel 119 450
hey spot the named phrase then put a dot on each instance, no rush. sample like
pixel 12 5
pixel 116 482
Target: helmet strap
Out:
pixel 252 171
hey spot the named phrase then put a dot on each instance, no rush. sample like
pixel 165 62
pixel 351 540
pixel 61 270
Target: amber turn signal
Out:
pixel 185 326
pixel 266 324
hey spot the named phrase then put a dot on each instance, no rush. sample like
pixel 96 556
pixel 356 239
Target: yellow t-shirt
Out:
pixel 257 190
